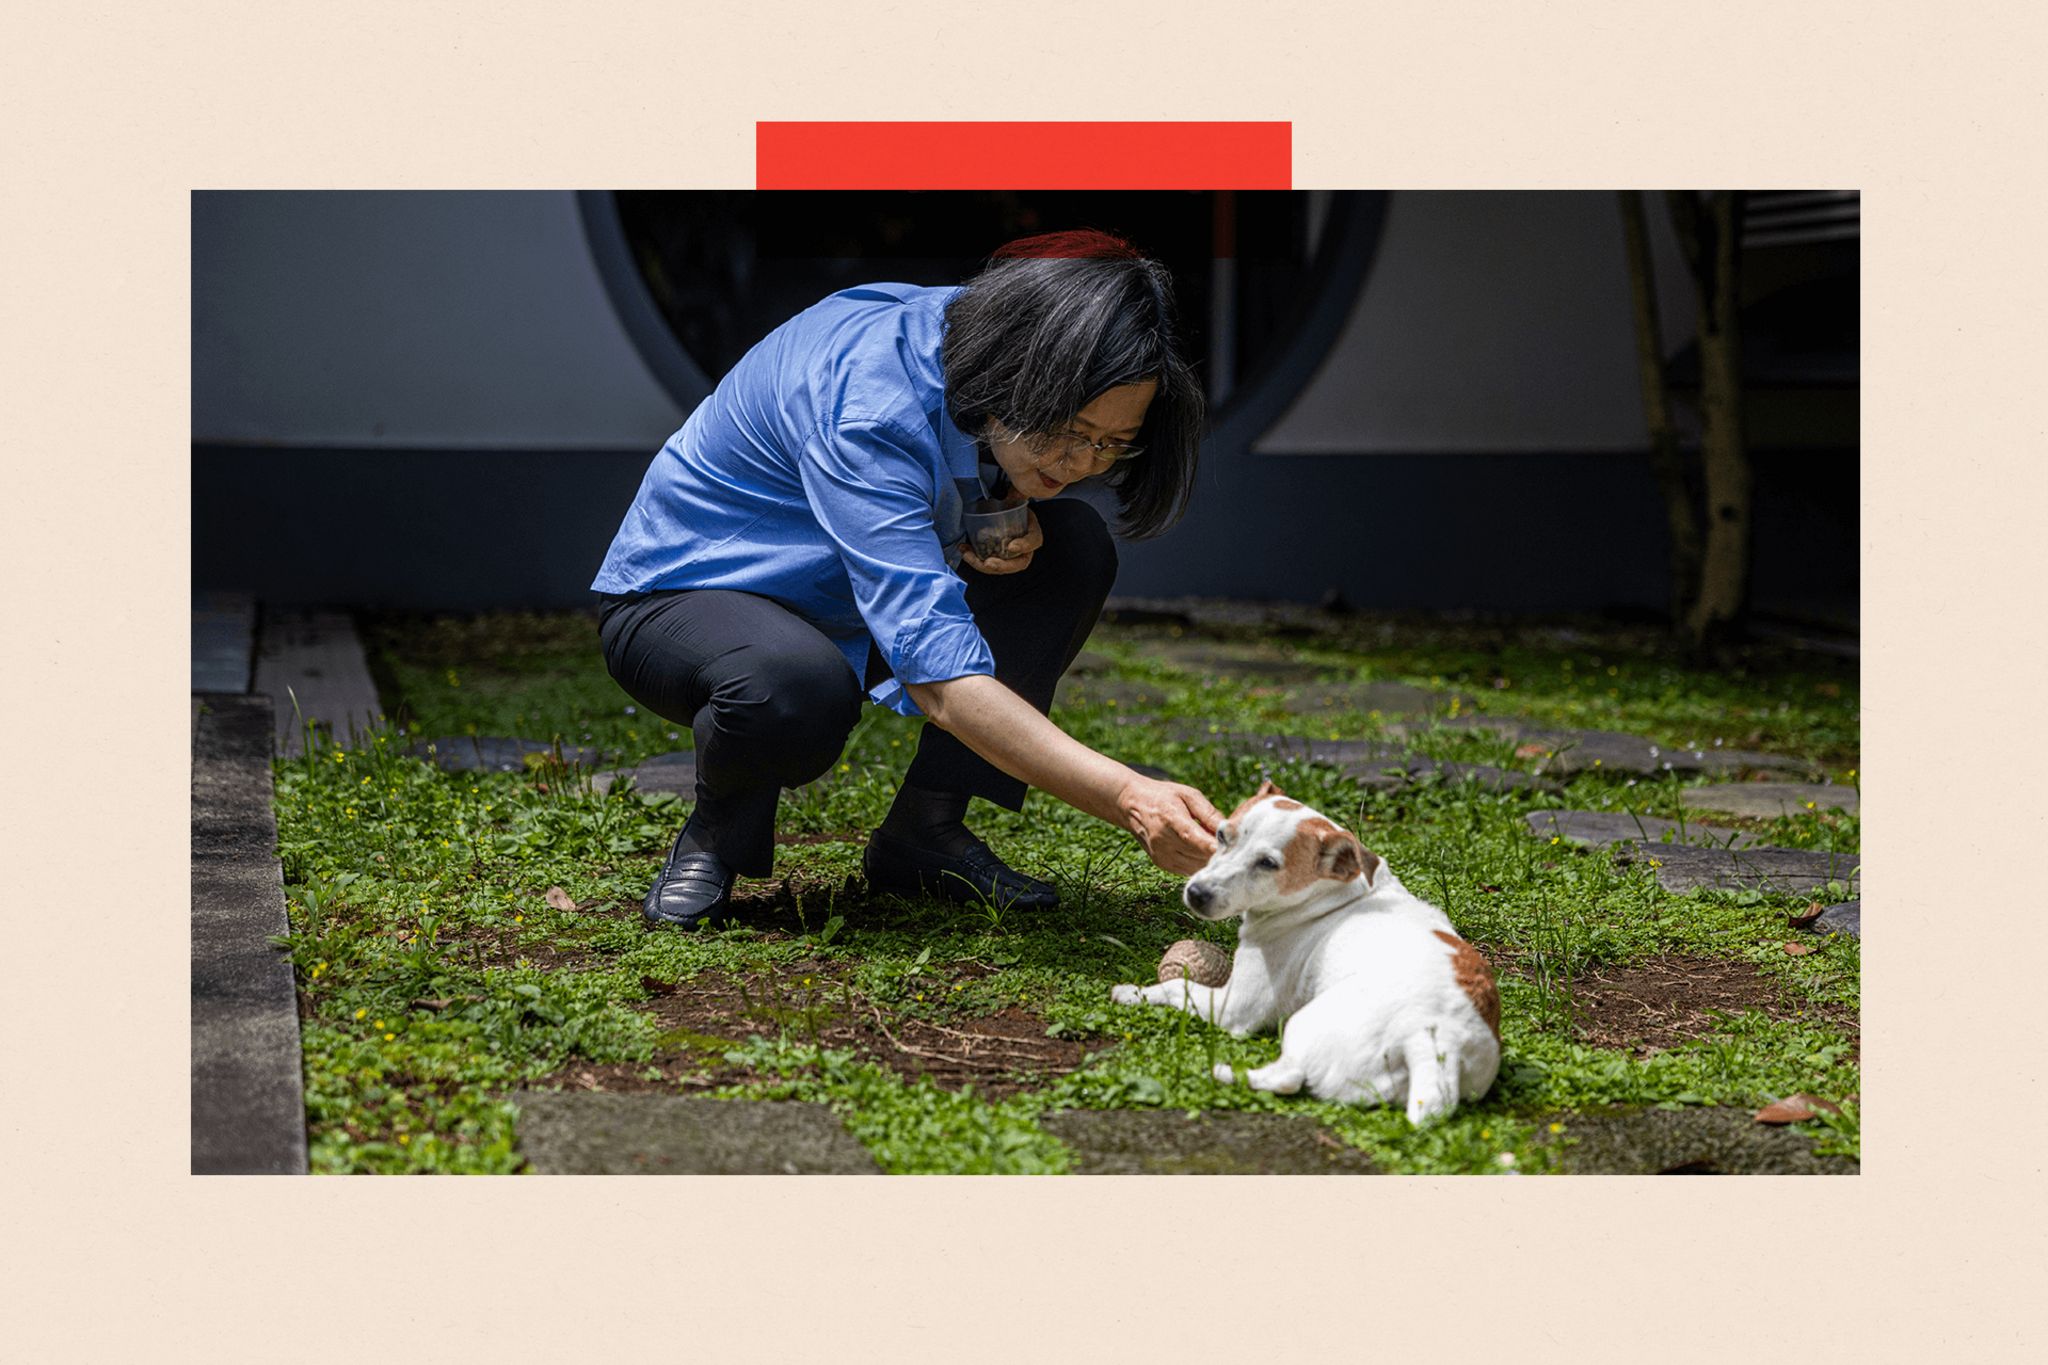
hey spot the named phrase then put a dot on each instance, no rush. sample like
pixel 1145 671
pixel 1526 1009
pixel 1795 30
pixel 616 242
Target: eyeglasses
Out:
pixel 1065 448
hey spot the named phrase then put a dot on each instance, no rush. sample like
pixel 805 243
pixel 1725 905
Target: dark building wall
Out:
pixel 472 530
pixel 409 319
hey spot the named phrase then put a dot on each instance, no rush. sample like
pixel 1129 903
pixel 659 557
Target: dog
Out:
pixel 1378 999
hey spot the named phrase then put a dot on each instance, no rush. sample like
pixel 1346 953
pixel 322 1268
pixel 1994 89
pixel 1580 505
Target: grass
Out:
pixel 436 976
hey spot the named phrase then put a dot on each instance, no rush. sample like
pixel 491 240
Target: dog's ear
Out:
pixel 1267 789
pixel 1342 857
pixel 1345 859
pixel 1369 865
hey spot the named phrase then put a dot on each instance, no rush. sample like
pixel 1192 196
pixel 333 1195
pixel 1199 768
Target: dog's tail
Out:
pixel 1432 1076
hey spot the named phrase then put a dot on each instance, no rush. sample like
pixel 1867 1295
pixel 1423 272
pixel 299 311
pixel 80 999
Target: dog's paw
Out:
pixel 1126 994
pixel 1223 1074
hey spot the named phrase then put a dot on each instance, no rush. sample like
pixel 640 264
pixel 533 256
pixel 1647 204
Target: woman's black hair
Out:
pixel 1053 322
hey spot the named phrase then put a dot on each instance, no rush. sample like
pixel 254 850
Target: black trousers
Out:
pixel 770 700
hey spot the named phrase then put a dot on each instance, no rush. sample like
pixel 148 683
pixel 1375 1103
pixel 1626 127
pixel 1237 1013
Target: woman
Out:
pixel 799 542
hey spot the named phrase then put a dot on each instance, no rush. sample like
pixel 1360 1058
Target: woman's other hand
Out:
pixel 1175 822
pixel 1017 551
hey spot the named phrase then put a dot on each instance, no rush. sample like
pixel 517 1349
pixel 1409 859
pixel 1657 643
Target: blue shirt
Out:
pixel 825 473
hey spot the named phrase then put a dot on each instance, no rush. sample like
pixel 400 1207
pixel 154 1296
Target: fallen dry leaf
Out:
pixel 1531 750
pixel 1797 949
pixel 1795 1109
pixel 559 899
pixel 1807 916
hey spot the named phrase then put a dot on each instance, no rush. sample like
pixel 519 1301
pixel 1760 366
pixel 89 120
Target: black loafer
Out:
pixel 971 876
pixel 693 889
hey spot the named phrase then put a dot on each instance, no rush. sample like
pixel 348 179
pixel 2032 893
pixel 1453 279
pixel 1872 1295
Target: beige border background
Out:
pixel 115 113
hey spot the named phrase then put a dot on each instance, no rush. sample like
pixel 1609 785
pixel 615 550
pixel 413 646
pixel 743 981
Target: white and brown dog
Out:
pixel 1378 999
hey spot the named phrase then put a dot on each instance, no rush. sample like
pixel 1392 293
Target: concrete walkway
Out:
pixel 257 674
pixel 312 660
pixel 248 1104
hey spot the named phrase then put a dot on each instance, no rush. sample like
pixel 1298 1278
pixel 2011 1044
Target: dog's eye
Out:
pixel 1269 861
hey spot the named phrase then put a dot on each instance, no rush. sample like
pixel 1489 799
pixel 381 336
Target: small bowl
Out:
pixel 992 522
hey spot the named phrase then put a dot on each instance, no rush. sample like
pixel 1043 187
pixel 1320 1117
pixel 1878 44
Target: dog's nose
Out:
pixel 1197 895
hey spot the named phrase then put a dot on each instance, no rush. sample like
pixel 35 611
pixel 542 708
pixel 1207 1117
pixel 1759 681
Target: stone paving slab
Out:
pixel 1582 751
pixel 1683 868
pixel 1600 828
pixel 223 641
pixel 1577 751
pixel 1770 800
pixel 583 1133
pixel 1156 1142
pixel 1306 748
pixel 1120 692
pixel 312 660
pixel 492 753
pixel 1370 762
pixel 1387 698
pixel 1846 918
pixel 1483 774
pixel 248 1107
pixel 1211 658
pixel 674 774
pixel 1695 1141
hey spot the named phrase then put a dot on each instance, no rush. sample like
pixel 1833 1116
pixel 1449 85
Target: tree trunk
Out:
pixel 1667 460
pixel 1712 247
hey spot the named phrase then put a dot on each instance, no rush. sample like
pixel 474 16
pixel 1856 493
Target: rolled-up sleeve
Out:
pixel 874 497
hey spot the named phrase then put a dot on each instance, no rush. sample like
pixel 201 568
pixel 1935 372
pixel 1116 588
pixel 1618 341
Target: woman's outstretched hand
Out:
pixel 1175 822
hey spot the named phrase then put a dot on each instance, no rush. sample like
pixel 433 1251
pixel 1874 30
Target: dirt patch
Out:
pixel 1648 1007
pixel 494 946
pixel 998 1054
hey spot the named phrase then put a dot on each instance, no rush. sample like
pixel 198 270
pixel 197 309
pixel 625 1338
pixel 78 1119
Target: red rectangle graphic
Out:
pixel 1023 156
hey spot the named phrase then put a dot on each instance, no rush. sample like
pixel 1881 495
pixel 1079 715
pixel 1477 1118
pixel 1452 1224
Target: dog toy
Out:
pixel 1205 963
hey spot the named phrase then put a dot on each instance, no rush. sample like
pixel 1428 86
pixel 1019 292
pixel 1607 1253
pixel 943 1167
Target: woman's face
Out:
pixel 1112 417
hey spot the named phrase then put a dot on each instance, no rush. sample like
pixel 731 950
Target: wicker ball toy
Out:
pixel 1205 963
